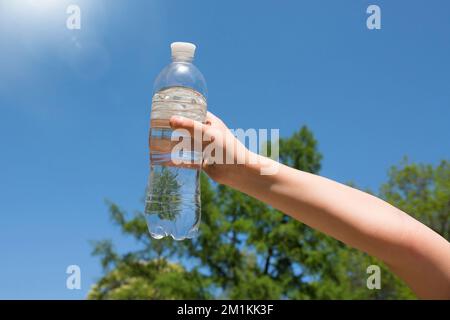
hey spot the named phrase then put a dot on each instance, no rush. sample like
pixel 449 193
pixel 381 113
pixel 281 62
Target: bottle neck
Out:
pixel 182 59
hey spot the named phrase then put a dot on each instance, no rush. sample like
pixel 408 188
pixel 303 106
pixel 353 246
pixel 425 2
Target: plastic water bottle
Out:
pixel 172 204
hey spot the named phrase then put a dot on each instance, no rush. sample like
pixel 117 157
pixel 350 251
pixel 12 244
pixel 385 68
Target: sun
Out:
pixel 25 8
pixel 42 4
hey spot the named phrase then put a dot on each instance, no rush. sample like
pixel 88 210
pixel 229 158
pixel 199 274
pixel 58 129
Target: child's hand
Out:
pixel 221 150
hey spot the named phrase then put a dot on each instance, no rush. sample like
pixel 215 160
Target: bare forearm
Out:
pixel 414 252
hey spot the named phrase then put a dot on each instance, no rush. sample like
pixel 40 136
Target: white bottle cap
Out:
pixel 183 50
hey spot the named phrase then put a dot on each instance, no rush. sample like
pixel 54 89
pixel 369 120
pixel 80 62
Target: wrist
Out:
pixel 254 170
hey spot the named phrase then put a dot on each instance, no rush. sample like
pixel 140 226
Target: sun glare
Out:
pixel 42 4
pixel 29 8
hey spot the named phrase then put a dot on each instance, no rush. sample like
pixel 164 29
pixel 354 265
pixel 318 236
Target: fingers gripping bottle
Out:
pixel 172 203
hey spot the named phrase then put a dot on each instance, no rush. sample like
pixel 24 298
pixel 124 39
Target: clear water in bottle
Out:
pixel 173 195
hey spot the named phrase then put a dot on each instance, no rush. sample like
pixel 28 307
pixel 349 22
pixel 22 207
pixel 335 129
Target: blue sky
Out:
pixel 75 104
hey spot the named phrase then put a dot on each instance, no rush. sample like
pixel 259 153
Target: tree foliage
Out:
pixel 249 250
pixel 423 191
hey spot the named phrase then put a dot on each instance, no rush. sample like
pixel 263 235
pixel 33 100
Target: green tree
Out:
pixel 154 279
pixel 423 191
pixel 164 195
pixel 248 250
